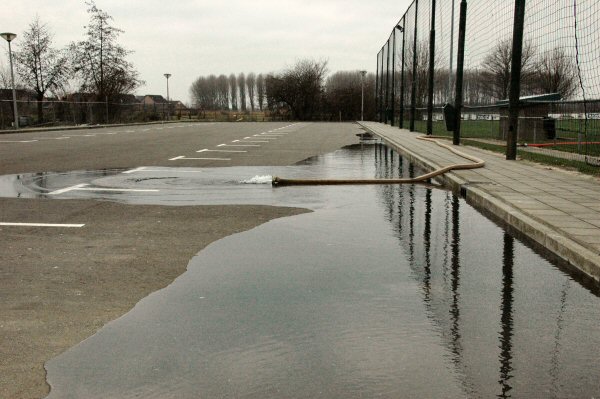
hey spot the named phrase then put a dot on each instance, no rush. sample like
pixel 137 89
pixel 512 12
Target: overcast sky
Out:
pixel 190 38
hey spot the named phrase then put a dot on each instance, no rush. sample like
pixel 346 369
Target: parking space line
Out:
pixel 256 141
pixel 207 150
pixel 67 189
pixel 141 168
pixel 19 141
pixel 116 189
pixel 206 159
pixel 41 224
pixel 239 145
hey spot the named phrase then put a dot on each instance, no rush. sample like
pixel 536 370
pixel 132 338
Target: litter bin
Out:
pixel 549 126
pixel 450 117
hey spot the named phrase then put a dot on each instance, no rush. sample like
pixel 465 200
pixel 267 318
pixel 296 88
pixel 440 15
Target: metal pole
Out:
pixel 413 103
pixel 460 59
pixel 431 71
pixel 362 95
pixel 168 75
pixel 14 91
pixel 448 93
pixel 393 99
pixel 377 86
pixel 387 80
pixel 515 81
pixel 401 121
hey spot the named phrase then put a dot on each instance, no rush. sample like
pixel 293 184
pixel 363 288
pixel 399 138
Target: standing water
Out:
pixel 382 291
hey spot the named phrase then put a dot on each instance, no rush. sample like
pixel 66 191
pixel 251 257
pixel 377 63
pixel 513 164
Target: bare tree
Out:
pixel 496 67
pixel 555 72
pixel 41 67
pixel 251 85
pixel 223 92
pixel 100 61
pixel 299 87
pixel 234 94
pixel 260 90
pixel 241 80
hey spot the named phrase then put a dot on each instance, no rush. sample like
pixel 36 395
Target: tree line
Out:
pixel 303 91
pixel 551 71
pixel 96 65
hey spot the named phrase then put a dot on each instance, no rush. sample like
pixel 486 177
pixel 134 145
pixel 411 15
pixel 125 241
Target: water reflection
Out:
pixel 507 319
pixel 388 291
pixel 455 258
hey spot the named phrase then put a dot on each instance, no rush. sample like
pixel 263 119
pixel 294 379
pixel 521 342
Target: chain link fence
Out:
pixel 419 67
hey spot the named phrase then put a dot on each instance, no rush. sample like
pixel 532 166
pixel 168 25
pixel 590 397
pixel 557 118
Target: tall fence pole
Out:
pixel 401 119
pixel 413 100
pixel 381 104
pixel 393 98
pixel 387 82
pixel 449 92
pixel 377 86
pixel 515 81
pixel 460 64
pixel 431 71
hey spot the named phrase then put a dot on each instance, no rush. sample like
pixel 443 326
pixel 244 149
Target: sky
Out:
pixel 192 38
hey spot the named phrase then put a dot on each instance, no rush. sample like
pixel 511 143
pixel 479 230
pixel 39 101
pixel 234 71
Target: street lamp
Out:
pixel 168 75
pixel 362 95
pixel 9 37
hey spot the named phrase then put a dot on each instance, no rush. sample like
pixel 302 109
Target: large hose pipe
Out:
pixel 477 163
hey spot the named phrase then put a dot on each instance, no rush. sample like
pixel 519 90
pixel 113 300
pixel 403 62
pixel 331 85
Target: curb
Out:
pixel 578 258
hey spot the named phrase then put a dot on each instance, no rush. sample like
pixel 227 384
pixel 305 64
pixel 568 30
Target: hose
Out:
pixel 478 163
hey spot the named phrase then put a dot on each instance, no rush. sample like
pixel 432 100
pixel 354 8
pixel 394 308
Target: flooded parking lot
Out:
pixel 390 291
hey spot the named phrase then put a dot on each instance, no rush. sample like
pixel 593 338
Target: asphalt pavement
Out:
pixel 61 284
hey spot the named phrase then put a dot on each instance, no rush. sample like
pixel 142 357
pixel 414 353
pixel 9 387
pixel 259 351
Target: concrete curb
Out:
pixel 576 255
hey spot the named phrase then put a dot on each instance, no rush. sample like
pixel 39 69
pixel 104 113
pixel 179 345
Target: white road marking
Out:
pixel 256 141
pixel 41 224
pixel 67 189
pixel 19 141
pixel 207 159
pixel 141 168
pixel 221 145
pixel 145 169
pixel 235 141
pixel 176 158
pixel 207 150
pixel 240 145
pixel 247 137
pixel 114 189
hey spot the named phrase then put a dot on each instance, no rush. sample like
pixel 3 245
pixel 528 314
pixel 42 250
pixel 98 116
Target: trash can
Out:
pixel 450 117
pixel 549 126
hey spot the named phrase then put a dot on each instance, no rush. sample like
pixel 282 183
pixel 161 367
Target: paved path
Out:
pixel 558 209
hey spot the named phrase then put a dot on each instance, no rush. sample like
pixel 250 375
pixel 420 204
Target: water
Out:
pixel 382 291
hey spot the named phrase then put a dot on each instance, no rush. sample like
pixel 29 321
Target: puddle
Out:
pixel 383 291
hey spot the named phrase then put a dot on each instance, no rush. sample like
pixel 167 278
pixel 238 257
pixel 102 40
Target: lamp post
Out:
pixel 362 94
pixel 9 37
pixel 168 75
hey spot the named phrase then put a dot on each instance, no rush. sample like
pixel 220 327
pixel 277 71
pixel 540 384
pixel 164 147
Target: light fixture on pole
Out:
pixel 9 37
pixel 362 94
pixel 168 75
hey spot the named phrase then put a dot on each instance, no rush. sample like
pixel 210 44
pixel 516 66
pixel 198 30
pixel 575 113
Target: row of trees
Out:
pixel 97 64
pixel 552 71
pixel 236 92
pixel 304 91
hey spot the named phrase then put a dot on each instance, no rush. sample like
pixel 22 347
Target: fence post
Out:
pixel 431 71
pixel 515 81
pixel 460 64
pixel 393 97
pixel 413 103
pixel 381 116
pixel 387 81
pixel 377 86
pixel 401 119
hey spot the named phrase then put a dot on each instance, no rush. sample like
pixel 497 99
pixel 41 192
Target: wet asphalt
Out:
pixel 59 286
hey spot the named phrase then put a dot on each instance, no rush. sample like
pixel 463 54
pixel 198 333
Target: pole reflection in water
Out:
pixel 507 318
pixel 452 253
